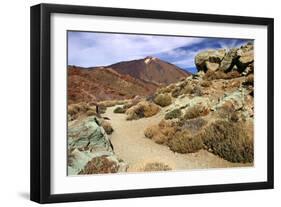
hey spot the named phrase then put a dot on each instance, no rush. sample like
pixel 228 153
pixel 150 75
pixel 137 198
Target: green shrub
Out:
pixel 163 100
pixel 119 110
pixel 176 113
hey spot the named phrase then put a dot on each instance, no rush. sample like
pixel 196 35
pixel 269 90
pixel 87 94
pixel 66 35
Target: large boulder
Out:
pixel 229 60
pixel 88 141
pixel 209 59
pixel 246 56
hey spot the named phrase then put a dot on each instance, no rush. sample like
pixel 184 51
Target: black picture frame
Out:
pixel 41 99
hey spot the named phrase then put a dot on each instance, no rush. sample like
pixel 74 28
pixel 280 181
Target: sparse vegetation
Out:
pixel 75 110
pixel 107 127
pixel 206 83
pixel 192 125
pixel 211 75
pixel 100 165
pixel 160 133
pixel 142 109
pixel 195 111
pixel 156 166
pixel 197 91
pixel 176 113
pixel 230 141
pixel 249 80
pixel 119 110
pixel 187 89
pixel 163 100
pixel 91 112
pixel 184 142
pixel 176 92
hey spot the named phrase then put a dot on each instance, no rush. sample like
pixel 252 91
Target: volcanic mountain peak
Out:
pixel 151 69
pixel 148 59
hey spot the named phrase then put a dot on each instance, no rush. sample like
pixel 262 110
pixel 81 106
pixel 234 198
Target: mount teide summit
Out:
pixel 122 80
pixel 151 69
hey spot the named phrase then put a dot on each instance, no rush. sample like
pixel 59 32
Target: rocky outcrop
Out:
pixel 235 59
pixel 87 144
pixel 212 110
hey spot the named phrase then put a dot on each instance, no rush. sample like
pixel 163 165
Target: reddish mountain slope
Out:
pixel 91 85
pixel 151 69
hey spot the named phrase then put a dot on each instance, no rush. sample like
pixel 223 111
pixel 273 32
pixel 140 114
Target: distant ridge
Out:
pixel 122 80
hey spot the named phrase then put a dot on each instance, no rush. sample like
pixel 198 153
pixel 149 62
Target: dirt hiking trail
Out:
pixel 133 147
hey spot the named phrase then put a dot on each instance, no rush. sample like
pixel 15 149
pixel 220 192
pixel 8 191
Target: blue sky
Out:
pixel 88 49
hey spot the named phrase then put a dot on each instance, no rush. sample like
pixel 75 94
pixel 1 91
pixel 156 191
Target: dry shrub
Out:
pixel 100 165
pixel 206 83
pixel 195 111
pixel 167 89
pixel 176 113
pixel 176 92
pixel 197 91
pixel 192 125
pixel 119 110
pixel 107 127
pixel 232 74
pixel 142 109
pixel 156 166
pixel 110 103
pixel 163 100
pixel 188 89
pixel 227 111
pixel 184 142
pixel 74 110
pixel 160 133
pixel 249 80
pixel 91 112
pixel 229 140
pixel 211 75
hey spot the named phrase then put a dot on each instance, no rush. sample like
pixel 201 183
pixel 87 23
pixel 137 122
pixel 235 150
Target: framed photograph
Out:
pixel 133 103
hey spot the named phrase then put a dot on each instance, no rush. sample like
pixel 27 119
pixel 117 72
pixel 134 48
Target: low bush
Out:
pixel 192 125
pixel 107 127
pixel 163 100
pixel 206 83
pixel 142 109
pixel 100 165
pixel 176 92
pixel 249 80
pixel 176 113
pixel 184 142
pixel 119 110
pixel 91 112
pixel 188 89
pixel 197 91
pixel 229 140
pixel 195 111
pixel 75 110
pixel 156 166
pixel 160 133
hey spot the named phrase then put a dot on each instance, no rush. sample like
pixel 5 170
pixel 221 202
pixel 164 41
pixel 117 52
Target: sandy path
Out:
pixel 132 146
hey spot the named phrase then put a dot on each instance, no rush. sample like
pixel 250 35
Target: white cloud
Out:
pixel 92 49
